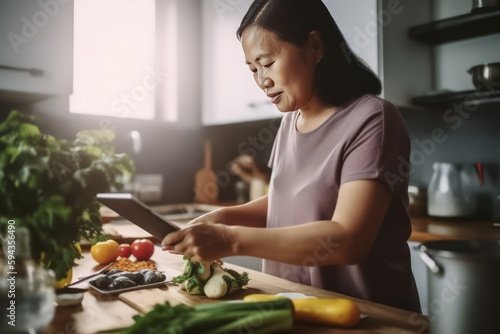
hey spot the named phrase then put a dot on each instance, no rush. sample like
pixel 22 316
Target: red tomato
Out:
pixel 125 250
pixel 142 249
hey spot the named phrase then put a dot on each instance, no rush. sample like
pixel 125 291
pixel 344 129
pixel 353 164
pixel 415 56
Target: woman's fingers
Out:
pixel 199 241
pixel 173 238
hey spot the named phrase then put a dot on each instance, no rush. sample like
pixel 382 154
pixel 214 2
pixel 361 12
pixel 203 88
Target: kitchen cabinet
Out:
pixel 455 29
pixel 405 64
pixel 399 41
pixel 229 93
pixel 36 55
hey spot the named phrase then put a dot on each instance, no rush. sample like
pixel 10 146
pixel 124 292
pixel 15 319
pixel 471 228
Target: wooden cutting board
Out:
pixel 144 300
pixel 206 188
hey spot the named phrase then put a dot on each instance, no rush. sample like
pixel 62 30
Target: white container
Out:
pixel 452 191
pixel 258 188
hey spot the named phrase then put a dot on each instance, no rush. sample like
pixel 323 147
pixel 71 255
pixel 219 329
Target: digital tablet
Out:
pixel 132 209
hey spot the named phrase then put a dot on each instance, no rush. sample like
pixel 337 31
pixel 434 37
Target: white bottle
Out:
pixel 257 188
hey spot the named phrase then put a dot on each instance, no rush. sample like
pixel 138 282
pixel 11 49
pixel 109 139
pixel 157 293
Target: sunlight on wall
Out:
pixel 116 72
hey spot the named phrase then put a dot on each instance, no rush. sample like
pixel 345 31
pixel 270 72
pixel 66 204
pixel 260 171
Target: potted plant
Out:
pixel 49 185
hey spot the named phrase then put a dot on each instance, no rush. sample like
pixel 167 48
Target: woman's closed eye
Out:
pixel 254 70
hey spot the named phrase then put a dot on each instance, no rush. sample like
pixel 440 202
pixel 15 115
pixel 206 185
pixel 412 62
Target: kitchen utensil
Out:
pixel 479 6
pixel 451 191
pixel 83 279
pixel 463 285
pixel 206 188
pixel 133 288
pixel 486 77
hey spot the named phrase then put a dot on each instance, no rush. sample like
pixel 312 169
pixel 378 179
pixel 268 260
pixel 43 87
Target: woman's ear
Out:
pixel 316 43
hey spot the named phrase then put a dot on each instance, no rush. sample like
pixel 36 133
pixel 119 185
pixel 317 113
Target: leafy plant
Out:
pixel 49 185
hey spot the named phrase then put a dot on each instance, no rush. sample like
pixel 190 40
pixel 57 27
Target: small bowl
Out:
pixel 486 77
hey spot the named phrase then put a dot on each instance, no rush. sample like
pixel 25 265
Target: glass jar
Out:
pixel 26 289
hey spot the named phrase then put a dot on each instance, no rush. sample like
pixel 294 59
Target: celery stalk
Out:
pixel 258 323
pixel 246 306
pixel 216 318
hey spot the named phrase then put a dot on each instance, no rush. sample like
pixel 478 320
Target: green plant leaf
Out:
pixel 49 185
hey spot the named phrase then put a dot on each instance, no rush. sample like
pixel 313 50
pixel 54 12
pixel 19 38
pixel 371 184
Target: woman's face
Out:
pixel 282 70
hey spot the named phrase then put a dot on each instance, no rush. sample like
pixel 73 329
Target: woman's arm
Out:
pixel 346 239
pixel 251 214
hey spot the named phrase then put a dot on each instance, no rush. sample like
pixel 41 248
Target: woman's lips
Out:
pixel 274 97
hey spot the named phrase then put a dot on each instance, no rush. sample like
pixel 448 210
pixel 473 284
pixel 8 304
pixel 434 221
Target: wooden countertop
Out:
pixel 427 229
pixel 423 228
pixel 103 312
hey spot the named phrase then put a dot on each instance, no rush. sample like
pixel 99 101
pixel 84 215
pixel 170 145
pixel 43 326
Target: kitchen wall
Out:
pixel 470 137
pixel 175 150
pixel 171 149
pixel 228 141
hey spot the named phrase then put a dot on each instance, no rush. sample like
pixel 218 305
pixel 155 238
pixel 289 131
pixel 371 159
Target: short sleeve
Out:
pixel 379 149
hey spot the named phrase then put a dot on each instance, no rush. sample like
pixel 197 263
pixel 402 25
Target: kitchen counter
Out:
pixel 103 312
pixel 423 228
pixel 427 229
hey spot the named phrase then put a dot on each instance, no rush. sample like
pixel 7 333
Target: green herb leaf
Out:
pixel 49 185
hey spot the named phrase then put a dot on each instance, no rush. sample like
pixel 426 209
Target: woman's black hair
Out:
pixel 340 75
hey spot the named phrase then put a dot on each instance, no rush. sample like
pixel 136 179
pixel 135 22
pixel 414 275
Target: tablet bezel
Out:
pixel 138 213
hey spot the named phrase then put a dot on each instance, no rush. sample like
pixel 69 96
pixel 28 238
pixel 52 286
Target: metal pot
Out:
pixel 463 285
pixel 484 5
pixel 486 77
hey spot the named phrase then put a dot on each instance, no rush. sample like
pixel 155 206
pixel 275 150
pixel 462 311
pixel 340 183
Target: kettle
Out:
pixel 452 190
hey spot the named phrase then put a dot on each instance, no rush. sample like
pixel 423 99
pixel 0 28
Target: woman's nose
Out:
pixel 264 82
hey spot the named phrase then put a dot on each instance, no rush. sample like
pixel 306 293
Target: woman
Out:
pixel 336 213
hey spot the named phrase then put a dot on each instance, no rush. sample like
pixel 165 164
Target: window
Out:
pixel 116 67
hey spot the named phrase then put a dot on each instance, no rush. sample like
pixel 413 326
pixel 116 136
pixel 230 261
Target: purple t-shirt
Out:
pixel 363 139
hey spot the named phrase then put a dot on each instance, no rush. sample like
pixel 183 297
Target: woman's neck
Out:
pixel 311 118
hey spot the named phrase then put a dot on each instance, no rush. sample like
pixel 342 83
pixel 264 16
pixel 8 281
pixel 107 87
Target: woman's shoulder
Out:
pixel 373 102
pixel 369 104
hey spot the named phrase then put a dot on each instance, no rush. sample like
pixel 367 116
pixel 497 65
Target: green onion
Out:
pixel 216 318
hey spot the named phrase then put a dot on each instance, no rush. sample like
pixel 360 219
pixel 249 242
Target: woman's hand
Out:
pixel 212 217
pixel 201 241
pixel 246 168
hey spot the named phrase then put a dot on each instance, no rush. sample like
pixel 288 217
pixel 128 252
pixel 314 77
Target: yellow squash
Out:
pixel 328 311
pixel 261 297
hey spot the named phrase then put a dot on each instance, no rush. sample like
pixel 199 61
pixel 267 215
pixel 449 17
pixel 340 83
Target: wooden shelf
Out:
pixel 448 99
pixel 457 28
